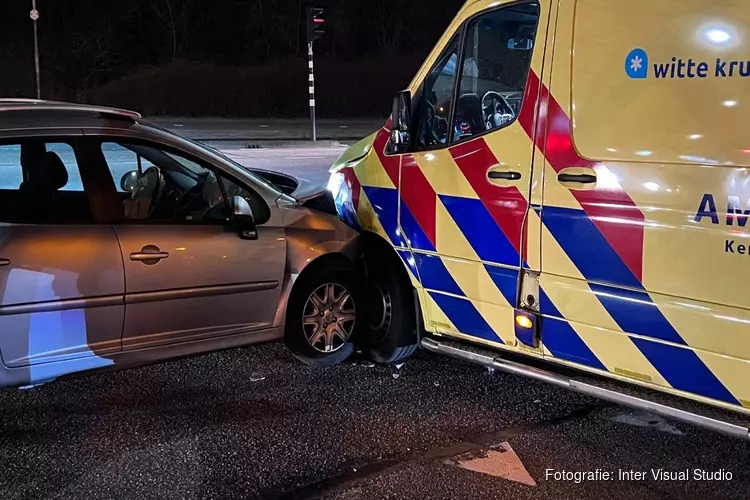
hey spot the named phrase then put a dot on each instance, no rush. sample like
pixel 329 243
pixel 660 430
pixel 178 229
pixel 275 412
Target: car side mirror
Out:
pixel 401 122
pixel 129 181
pixel 243 220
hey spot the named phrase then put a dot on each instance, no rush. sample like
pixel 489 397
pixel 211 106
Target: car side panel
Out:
pixel 212 283
pixel 61 297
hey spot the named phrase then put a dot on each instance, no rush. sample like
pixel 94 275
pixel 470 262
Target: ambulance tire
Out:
pixel 390 333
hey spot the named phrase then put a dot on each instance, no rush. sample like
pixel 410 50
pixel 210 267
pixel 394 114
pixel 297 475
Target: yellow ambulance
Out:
pixel 564 185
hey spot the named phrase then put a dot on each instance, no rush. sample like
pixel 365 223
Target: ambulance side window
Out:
pixel 495 66
pixel 437 98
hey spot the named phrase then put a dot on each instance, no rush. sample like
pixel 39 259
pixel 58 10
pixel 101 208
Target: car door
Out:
pixel 464 191
pixel 61 274
pixel 188 275
pixel 644 200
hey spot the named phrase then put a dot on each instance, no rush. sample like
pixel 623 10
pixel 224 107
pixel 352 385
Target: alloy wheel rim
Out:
pixel 328 318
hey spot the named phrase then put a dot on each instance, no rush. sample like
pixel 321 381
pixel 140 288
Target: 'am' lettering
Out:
pixel 707 208
pixel 733 208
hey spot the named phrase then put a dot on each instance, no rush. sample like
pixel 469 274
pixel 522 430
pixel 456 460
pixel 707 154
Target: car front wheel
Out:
pixel 323 317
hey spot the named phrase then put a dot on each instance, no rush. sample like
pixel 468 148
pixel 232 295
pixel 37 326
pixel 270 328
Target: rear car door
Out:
pixel 645 200
pixel 464 191
pixel 61 274
pixel 188 275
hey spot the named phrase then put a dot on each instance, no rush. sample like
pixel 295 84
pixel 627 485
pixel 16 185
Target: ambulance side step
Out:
pixel 668 406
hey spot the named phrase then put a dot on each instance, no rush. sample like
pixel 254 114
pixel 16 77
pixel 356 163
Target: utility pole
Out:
pixel 315 29
pixel 34 14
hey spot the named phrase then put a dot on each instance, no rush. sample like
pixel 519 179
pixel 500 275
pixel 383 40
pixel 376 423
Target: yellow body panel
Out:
pixel 631 200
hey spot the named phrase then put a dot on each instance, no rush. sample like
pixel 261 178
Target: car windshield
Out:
pixel 218 154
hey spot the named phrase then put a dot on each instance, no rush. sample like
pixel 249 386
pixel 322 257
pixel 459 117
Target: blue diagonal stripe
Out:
pixel 481 230
pixel 465 317
pixel 562 340
pixel 684 370
pixel 408 259
pixel 435 275
pixel 636 313
pixel 633 310
pixel 413 231
pixel 506 281
pixel 587 248
pixel 384 202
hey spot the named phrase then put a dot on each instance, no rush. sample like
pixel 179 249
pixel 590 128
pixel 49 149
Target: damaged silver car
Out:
pixel 123 244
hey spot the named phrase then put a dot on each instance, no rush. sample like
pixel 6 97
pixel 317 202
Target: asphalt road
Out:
pixel 309 162
pixel 255 423
pixel 270 129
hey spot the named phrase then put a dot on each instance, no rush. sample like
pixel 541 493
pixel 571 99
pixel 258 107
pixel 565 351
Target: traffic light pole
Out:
pixel 312 90
pixel 34 16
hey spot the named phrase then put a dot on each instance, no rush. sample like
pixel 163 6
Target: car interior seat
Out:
pixel 45 176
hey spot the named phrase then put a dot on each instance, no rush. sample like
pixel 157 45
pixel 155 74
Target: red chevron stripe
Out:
pixel 416 191
pixel 355 188
pixel 419 197
pixel 610 208
pixel 390 163
pixel 506 205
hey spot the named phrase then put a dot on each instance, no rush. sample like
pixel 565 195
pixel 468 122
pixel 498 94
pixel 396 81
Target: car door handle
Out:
pixel 4 262
pixel 149 255
pixel 577 178
pixel 506 176
pixel 140 257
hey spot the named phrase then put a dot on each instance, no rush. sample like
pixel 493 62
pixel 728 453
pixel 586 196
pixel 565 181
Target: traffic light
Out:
pixel 315 23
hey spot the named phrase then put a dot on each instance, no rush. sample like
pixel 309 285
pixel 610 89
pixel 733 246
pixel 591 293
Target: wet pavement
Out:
pixel 254 423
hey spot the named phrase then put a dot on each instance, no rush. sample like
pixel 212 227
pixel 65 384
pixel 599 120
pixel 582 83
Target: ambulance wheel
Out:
pixel 390 332
pixel 323 316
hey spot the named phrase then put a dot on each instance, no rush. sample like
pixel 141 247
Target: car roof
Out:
pixel 33 106
pixel 33 114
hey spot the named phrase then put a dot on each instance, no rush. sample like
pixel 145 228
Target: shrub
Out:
pixel 349 89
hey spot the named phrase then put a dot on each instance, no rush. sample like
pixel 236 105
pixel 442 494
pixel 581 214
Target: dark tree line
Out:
pixel 231 52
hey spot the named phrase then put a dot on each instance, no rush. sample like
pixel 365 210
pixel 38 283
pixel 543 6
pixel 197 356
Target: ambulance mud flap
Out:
pixel 665 405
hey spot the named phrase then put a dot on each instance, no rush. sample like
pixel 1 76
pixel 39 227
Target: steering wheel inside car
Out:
pixel 435 127
pixel 146 194
pixel 497 112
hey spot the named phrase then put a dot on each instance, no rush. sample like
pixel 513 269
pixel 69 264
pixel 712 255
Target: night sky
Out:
pixel 219 57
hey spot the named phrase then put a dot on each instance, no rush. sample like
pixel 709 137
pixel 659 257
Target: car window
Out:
pixel 158 185
pixel 496 60
pixel 437 97
pixel 40 182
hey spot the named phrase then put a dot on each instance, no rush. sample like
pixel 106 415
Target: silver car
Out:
pixel 122 244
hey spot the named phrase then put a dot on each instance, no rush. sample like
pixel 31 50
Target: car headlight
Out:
pixel 335 183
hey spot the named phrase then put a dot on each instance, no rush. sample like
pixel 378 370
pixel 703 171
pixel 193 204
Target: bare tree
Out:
pixel 177 17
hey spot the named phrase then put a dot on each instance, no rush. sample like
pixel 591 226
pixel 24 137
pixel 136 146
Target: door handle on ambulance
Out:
pixel 4 262
pixel 577 178
pixel 506 176
pixel 577 175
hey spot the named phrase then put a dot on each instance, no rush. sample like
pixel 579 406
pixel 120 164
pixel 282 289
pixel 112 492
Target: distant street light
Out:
pixel 34 15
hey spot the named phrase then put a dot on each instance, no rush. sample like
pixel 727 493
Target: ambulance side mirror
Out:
pixel 401 122
pixel 520 44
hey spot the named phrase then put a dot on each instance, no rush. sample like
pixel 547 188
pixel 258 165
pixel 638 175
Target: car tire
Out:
pixel 305 336
pixel 390 334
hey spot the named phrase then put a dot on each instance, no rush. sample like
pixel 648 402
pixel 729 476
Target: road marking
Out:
pixel 500 461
